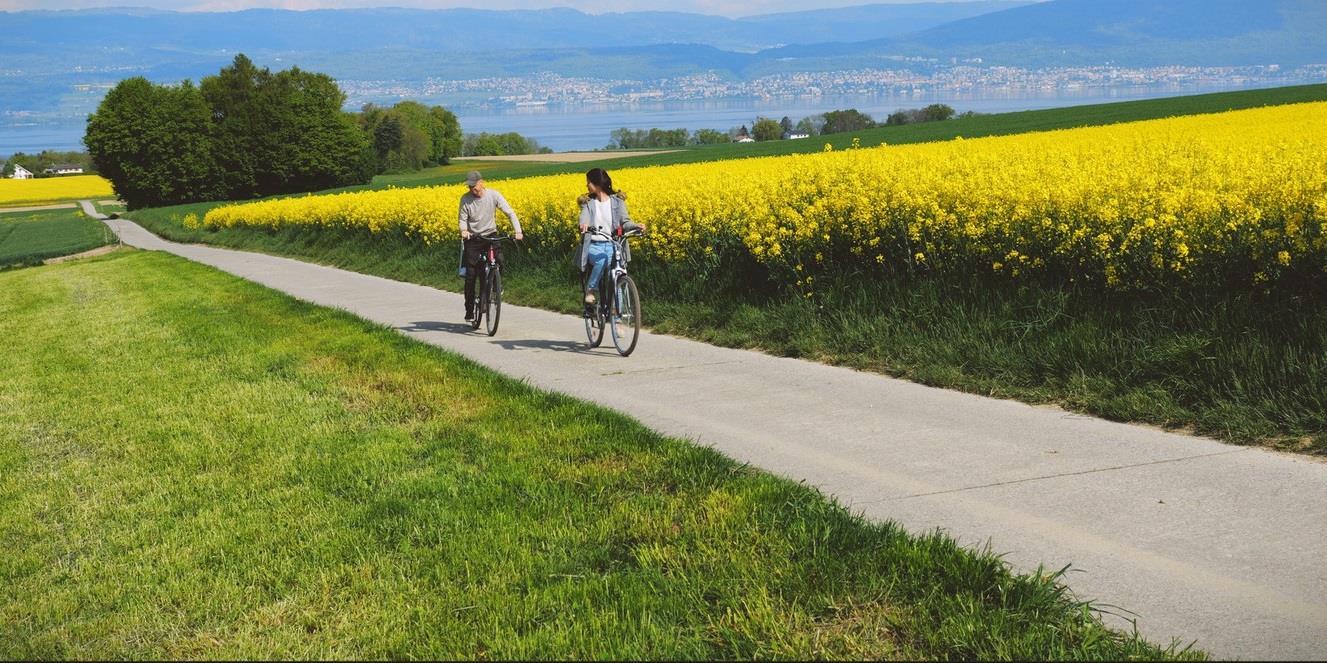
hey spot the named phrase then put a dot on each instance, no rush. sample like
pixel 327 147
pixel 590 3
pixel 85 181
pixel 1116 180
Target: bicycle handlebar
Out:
pixel 635 232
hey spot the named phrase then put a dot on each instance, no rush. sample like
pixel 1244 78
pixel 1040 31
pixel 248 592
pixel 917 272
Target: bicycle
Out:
pixel 489 305
pixel 621 313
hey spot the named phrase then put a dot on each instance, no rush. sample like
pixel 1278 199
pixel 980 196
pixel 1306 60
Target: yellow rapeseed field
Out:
pixel 1239 195
pixel 50 189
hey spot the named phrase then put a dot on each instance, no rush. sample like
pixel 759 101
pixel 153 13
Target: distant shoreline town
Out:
pixel 915 77
pixel 966 76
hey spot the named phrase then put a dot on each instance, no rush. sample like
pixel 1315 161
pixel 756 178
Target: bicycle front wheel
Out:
pixel 625 315
pixel 493 299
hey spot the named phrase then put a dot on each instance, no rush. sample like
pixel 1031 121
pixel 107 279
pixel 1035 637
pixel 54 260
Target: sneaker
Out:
pixel 589 298
pixel 469 316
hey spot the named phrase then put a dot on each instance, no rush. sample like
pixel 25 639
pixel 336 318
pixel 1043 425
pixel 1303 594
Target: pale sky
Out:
pixel 719 7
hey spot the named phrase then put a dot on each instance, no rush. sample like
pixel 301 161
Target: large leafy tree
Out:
pixel 445 129
pixel 242 133
pixel 154 143
pixel 710 137
pixel 487 144
pixel 851 119
pixel 315 145
pixel 766 128
pixel 241 122
pixel 410 135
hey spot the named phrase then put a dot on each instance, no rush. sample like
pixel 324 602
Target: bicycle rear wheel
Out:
pixel 594 328
pixel 594 321
pixel 481 304
pixel 493 299
pixel 625 315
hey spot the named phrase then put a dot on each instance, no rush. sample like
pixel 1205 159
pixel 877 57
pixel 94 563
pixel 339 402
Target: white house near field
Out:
pixel 745 139
pixel 796 135
pixel 64 169
pixel 21 173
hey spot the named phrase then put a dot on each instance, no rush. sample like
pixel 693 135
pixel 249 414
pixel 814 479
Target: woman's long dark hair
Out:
pixel 600 179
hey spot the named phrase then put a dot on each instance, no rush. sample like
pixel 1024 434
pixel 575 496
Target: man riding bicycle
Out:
pixel 478 219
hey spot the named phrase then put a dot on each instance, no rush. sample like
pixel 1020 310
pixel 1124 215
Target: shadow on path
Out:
pixel 556 346
pixel 433 325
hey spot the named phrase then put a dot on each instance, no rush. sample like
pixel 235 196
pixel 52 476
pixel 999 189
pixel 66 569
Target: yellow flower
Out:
pixel 1152 203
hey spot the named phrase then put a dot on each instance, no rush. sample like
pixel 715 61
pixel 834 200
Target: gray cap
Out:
pixel 472 177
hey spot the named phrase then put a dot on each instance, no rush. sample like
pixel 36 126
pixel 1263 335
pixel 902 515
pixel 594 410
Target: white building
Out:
pixel 64 169
pixel 745 139
pixel 796 135
pixel 21 173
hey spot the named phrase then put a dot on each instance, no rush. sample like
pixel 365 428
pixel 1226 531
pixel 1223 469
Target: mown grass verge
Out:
pixel 108 208
pixel 1246 367
pixel 194 466
pixel 28 238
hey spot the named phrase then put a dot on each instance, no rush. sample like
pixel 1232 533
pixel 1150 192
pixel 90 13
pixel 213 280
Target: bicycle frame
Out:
pixel 615 266
pixel 490 256
pixel 488 262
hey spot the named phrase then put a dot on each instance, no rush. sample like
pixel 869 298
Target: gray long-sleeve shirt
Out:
pixel 478 213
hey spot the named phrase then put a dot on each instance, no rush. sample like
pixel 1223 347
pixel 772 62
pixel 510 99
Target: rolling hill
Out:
pixel 1127 32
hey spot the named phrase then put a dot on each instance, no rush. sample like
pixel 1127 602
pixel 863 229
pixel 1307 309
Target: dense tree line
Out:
pixel 633 139
pixel 242 133
pixel 493 145
pixel 156 144
pixel 248 131
pixel 842 121
pixel 410 135
pixel 766 128
pixel 932 113
pixel 38 163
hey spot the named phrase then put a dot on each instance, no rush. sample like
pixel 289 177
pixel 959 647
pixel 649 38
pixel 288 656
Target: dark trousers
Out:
pixel 475 250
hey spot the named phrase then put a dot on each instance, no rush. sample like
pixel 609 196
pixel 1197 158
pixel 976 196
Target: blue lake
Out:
pixel 588 127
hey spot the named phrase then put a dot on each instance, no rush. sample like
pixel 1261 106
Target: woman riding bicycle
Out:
pixel 603 210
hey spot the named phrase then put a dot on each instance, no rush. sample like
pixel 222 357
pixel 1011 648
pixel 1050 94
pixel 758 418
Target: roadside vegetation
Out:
pixel 193 466
pixel 28 238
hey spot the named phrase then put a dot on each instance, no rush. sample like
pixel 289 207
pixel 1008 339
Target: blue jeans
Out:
pixel 599 254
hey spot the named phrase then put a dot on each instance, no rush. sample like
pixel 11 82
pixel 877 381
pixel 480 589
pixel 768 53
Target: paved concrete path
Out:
pixel 1223 544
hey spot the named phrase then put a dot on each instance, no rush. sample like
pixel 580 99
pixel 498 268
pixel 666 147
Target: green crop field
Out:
pixel 194 466
pixel 27 238
pixel 974 127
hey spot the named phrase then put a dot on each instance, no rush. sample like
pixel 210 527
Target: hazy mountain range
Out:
pixel 144 31
pixel 1134 32
pixel 44 54
pixel 1129 32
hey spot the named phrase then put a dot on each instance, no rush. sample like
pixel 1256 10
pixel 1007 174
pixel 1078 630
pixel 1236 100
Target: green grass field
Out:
pixel 1247 368
pixel 437 173
pixel 28 238
pixel 192 466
